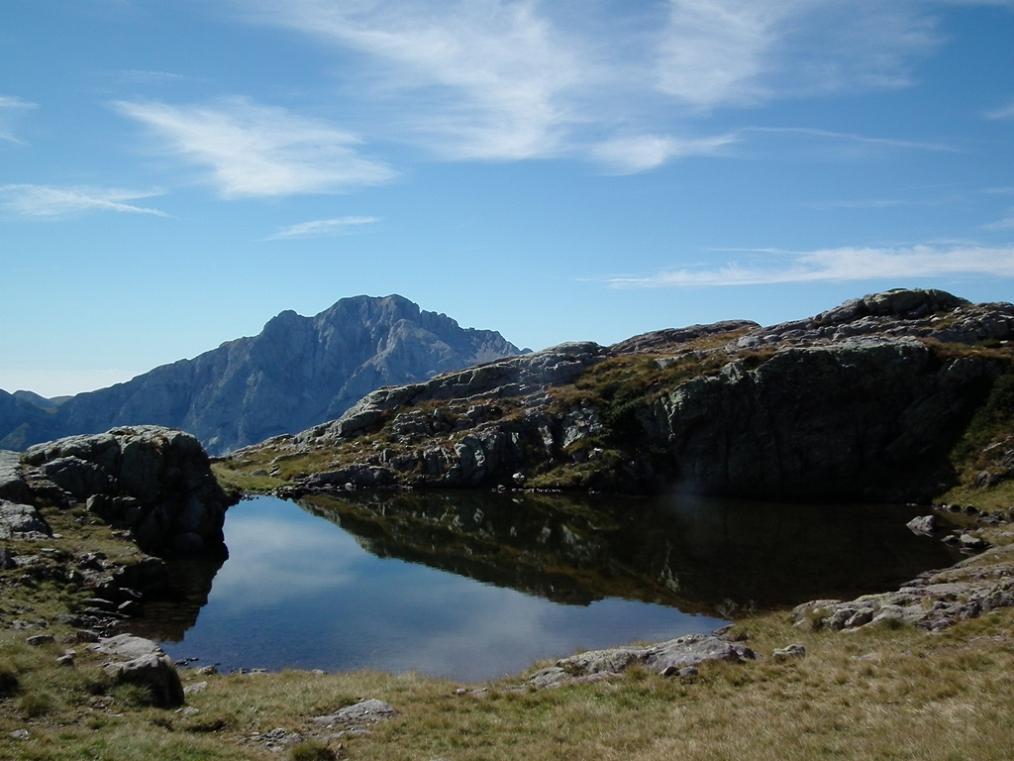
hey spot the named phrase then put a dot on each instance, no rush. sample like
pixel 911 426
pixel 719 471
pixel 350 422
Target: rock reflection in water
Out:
pixel 705 555
pixel 169 616
pixel 476 585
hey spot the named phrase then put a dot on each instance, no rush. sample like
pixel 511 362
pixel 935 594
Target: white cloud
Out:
pixel 1003 112
pixel 496 75
pixel 10 108
pixel 639 153
pixel 48 201
pixel 735 52
pixel 521 79
pixel 249 150
pixel 320 228
pixel 839 265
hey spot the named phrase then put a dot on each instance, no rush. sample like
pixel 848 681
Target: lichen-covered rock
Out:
pixel 666 658
pixel 154 481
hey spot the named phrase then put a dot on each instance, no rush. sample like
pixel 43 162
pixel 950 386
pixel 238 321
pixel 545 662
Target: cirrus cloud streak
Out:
pixel 838 265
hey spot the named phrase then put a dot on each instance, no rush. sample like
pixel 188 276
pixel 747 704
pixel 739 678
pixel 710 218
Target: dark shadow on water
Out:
pixel 699 554
pixel 474 585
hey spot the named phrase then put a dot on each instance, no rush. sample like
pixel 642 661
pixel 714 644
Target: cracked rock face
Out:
pixel 154 481
pixel 19 521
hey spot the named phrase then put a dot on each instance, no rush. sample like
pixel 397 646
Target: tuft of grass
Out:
pixel 312 750
pixel 10 685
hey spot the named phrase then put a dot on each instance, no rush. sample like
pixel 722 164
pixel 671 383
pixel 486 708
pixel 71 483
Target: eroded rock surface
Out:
pixel 154 481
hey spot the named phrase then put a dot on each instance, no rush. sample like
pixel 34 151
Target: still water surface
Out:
pixel 473 586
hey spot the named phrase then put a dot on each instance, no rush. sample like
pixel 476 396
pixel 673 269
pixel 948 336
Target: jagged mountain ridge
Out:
pixel 297 372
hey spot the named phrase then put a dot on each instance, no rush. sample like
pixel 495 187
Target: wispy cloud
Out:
pixel 250 150
pixel 497 75
pixel 1003 112
pixel 148 76
pixel 47 201
pixel 320 228
pixel 520 79
pixel 873 141
pixel 11 107
pixel 838 265
pixel 1005 223
pixel 639 153
pixel 733 52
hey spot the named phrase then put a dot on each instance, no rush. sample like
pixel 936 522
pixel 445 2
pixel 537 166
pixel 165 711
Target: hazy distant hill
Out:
pixel 297 372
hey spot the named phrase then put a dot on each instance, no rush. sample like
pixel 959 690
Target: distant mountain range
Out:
pixel 299 371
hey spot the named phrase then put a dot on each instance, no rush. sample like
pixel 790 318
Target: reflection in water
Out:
pixel 476 585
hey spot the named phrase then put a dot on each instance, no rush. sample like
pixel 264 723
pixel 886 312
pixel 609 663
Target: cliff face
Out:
pixel 870 400
pixel 299 371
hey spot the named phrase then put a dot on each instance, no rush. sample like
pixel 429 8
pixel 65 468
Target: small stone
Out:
pixel 67 659
pixel 924 525
pixel 207 670
pixel 41 639
pixel 20 734
pixel 789 651
pixel 196 687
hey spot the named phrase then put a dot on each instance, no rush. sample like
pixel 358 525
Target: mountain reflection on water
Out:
pixel 474 585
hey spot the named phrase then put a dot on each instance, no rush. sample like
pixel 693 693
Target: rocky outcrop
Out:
pixel 153 481
pixel 297 372
pixel 677 657
pixel 934 600
pixel 863 401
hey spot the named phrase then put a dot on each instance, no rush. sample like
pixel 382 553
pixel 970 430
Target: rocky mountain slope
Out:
pixel 899 395
pixel 299 371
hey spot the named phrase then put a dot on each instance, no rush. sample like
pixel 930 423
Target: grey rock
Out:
pixel 923 524
pixel 194 688
pixel 21 521
pixel 154 481
pixel 668 658
pixel 20 734
pixel 788 652
pixel 41 639
pixel 126 647
pixel 366 711
pixel 156 673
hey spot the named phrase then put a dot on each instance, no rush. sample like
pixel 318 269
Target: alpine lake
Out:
pixel 475 585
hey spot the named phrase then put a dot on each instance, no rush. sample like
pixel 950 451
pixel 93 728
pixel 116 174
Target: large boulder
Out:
pixel 155 481
pixel 141 662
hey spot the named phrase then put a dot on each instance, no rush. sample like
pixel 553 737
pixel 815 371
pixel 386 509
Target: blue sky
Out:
pixel 174 174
